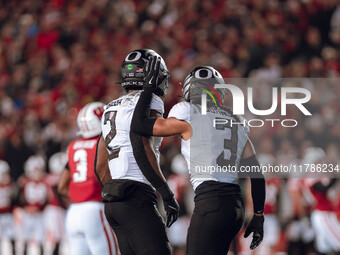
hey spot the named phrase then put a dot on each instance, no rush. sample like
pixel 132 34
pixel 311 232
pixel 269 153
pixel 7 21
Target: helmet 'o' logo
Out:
pixel 133 56
pixel 203 74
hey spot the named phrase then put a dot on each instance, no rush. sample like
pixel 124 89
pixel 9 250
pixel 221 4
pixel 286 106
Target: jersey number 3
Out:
pixel 229 144
pixel 80 158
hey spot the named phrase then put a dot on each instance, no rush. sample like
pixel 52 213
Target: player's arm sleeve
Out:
pixel 324 188
pixel 142 123
pixel 148 164
pixel 258 184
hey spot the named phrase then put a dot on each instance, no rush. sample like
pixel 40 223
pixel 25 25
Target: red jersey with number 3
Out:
pixel 84 185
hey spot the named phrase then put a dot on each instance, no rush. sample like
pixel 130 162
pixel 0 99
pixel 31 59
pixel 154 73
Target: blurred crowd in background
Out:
pixel 58 55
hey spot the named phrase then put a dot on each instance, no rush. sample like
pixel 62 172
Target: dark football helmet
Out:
pixel 133 71
pixel 202 78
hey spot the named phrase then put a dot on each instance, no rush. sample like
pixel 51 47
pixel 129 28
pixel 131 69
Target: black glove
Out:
pixel 172 208
pixel 255 226
pixel 170 204
pixel 151 73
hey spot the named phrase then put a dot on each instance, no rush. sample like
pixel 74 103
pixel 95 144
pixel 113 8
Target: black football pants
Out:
pixel 139 227
pixel 214 224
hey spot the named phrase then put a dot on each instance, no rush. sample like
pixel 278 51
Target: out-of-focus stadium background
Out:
pixel 58 55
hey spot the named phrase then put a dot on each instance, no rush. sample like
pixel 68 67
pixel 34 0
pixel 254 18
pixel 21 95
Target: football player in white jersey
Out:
pixel 6 203
pixel 219 212
pixel 129 193
pixel 34 198
pixel 54 213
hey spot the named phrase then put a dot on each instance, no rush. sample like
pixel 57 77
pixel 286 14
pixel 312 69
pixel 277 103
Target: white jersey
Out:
pixel 210 148
pixel 116 123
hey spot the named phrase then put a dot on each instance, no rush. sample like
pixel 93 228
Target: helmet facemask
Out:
pixel 132 70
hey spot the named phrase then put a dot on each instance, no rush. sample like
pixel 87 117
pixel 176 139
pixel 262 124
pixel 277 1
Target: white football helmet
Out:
pixel 34 167
pixel 88 120
pixel 203 77
pixel 4 171
pixel 57 162
pixel 313 155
